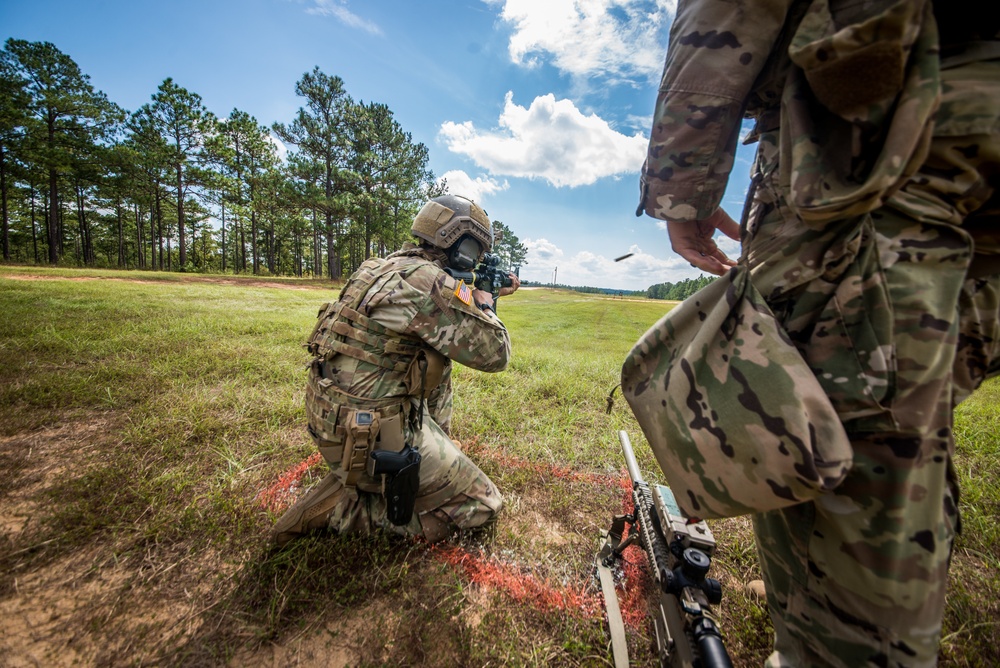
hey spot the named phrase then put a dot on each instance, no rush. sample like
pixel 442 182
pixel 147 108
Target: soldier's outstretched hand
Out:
pixel 693 241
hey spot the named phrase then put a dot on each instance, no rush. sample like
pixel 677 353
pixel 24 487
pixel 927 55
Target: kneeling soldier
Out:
pixel 379 391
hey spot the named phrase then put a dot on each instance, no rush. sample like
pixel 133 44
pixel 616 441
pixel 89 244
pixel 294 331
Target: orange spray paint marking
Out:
pixel 491 574
pixel 281 494
pixel 522 587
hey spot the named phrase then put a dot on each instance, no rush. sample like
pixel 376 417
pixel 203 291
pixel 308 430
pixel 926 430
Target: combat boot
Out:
pixel 757 589
pixel 310 512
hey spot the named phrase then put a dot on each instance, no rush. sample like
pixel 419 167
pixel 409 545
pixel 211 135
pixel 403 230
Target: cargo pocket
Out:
pixel 850 349
pixel 825 637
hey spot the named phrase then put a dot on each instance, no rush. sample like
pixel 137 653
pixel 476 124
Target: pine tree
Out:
pixel 319 134
pixel 183 122
pixel 66 118
pixel 508 247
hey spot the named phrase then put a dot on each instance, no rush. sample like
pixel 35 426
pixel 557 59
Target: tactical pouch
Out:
pixel 734 415
pixel 402 480
pixel 857 109
pixel 320 330
pixel 424 373
pixel 333 421
pixel 360 429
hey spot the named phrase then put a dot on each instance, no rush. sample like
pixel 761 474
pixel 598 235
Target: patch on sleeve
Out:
pixel 463 292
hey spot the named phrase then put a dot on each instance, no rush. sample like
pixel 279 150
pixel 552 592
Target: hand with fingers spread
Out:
pixel 695 243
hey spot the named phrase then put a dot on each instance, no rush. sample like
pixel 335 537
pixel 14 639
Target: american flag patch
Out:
pixel 463 292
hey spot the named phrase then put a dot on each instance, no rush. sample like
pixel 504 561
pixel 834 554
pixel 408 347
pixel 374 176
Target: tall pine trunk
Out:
pixel 317 248
pixel 34 234
pixel 182 257
pixel 140 250
pixel 253 237
pixel 3 205
pixel 121 236
pixel 332 261
pixel 159 229
pixel 87 247
pixel 53 217
pixel 223 237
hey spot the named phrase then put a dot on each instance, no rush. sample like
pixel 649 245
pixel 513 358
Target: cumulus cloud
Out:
pixel 279 147
pixel 338 10
pixel 477 189
pixel 542 252
pixel 616 39
pixel 551 139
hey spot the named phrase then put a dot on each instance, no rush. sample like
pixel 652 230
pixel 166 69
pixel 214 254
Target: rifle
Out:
pixel 486 276
pixel 680 551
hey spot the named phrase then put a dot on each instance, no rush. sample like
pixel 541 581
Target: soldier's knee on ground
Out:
pixel 461 513
pixel 310 512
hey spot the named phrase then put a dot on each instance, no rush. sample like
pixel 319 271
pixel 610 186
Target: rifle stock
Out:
pixel 679 551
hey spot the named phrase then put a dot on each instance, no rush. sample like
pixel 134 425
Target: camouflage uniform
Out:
pixel 873 234
pixel 393 313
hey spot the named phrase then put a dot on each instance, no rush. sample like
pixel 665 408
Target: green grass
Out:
pixel 142 413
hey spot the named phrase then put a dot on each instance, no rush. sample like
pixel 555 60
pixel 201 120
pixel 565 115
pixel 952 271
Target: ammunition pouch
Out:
pixel 424 373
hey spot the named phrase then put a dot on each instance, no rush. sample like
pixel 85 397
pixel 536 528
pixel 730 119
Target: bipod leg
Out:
pixel 606 558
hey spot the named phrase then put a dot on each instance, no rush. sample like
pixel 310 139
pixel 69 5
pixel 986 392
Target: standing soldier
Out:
pixel 379 391
pixel 873 231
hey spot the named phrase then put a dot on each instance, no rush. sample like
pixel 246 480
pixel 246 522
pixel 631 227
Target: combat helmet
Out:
pixel 443 220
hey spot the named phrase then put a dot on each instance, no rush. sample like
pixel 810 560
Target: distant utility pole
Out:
pixel 555 272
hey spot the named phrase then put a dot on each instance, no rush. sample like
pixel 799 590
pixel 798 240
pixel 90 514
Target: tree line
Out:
pixel 173 186
pixel 678 291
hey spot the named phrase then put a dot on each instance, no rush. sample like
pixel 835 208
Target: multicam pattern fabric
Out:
pixel 710 385
pixel 893 299
pixel 453 494
pixel 404 304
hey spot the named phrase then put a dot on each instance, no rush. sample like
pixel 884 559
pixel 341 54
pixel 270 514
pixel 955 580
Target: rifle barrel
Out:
pixel 633 466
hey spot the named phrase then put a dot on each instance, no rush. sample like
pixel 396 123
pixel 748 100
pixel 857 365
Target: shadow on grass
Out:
pixel 357 588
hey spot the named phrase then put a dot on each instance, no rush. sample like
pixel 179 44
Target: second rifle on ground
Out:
pixel 679 551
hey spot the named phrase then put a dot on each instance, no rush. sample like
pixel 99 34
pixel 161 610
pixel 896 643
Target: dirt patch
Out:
pixel 66 603
pixel 117 593
pixel 35 461
pixel 39 603
pixel 334 644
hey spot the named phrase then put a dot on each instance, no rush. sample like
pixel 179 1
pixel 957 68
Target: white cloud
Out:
pixel 542 252
pixel 478 189
pixel 279 147
pixel 338 9
pixel 617 39
pixel 551 139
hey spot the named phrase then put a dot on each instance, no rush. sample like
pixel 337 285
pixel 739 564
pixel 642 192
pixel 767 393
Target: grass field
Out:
pixel 152 429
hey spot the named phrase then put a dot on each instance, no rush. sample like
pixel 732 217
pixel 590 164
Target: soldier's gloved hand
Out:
pixel 482 297
pixel 693 241
pixel 515 283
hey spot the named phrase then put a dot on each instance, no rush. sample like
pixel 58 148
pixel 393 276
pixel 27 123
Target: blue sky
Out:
pixel 538 109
